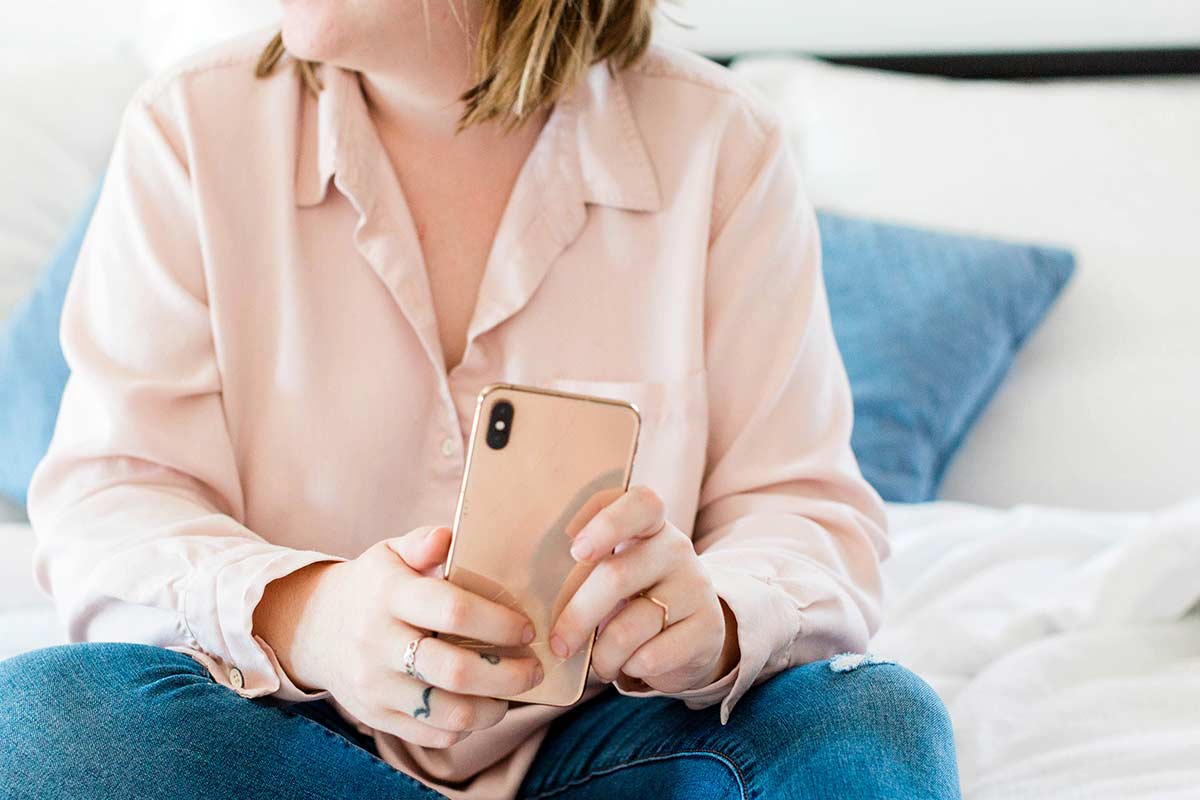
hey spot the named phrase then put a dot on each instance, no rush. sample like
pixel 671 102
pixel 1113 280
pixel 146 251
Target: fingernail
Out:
pixel 559 646
pixel 581 550
pixel 527 635
pixel 538 674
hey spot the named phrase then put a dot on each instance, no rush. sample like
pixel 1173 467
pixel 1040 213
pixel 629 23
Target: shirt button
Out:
pixel 236 678
pixel 448 446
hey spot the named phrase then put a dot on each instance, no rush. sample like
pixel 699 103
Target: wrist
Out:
pixel 289 619
pixel 730 653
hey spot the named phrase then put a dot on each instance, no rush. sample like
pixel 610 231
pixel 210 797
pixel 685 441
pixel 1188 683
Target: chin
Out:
pixel 316 30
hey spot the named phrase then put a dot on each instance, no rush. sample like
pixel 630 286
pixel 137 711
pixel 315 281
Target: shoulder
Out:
pixel 699 116
pixel 221 75
pixel 230 61
pixel 214 92
pixel 672 74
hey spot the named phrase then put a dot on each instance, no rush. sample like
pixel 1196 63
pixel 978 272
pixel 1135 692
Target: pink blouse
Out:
pixel 257 381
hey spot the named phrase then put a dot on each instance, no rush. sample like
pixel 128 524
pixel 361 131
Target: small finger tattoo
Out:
pixel 423 711
pixel 490 658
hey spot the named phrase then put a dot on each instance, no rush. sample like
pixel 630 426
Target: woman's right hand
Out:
pixel 344 627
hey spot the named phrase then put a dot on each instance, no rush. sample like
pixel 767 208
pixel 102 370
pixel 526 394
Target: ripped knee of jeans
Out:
pixel 847 662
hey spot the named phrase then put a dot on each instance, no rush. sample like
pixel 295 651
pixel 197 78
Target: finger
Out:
pixel 637 623
pixel 438 605
pixel 393 690
pixel 637 514
pixel 615 578
pixel 403 725
pixel 470 672
pixel 422 548
pixel 688 647
pixel 448 710
pixel 610 615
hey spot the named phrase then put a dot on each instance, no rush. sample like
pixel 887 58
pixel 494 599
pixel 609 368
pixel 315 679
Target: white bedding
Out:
pixel 1066 644
pixel 27 619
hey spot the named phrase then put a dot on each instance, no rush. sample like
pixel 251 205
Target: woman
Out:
pixel 294 285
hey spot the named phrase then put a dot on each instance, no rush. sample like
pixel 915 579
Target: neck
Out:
pixel 414 91
pixel 405 104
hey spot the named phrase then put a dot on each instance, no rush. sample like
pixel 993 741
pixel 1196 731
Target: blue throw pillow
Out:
pixel 928 324
pixel 32 370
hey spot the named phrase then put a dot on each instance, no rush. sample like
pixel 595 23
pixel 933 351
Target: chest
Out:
pixel 326 346
pixel 456 210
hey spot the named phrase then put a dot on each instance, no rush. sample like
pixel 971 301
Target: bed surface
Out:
pixel 1066 644
pixel 27 619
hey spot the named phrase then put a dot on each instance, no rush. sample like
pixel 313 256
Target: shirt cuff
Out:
pixel 768 622
pixel 220 615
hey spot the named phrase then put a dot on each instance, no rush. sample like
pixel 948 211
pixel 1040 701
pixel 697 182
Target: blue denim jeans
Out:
pixel 118 721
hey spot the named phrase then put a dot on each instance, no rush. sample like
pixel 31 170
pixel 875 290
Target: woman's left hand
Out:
pixel 689 643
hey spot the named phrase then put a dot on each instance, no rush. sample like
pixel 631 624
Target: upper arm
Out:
pixel 780 406
pixel 142 402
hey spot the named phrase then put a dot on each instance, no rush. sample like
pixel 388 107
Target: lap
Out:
pixel 121 720
pixel 809 732
pixel 126 720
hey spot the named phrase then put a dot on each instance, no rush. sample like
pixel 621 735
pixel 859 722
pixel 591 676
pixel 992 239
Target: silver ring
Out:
pixel 409 663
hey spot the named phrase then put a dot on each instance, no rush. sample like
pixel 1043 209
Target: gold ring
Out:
pixel 409 664
pixel 666 611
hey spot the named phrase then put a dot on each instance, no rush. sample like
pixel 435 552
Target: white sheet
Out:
pixel 1061 641
pixel 27 619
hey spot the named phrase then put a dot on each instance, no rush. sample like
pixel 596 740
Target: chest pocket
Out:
pixel 673 437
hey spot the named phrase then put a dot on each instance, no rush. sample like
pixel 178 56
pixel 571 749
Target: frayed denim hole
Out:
pixel 847 662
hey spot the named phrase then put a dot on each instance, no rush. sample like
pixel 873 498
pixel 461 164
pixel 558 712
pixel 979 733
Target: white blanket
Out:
pixel 27 619
pixel 1066 645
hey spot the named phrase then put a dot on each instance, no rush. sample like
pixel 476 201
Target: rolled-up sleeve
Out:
pixel 137 506
pixel 789 531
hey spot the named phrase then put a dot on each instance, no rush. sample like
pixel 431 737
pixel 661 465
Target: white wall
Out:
pixel 158 31
pixel 69 24
pixel 723 27
pixel 891 26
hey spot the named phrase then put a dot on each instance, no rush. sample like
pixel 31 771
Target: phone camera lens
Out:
pixel 499 424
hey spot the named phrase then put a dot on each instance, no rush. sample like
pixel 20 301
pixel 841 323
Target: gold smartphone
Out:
pixel 540 463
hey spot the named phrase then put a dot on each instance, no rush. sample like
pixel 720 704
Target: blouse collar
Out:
pixel 592 128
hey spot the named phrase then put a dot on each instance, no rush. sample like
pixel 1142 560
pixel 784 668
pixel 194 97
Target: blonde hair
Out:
pixel 528 52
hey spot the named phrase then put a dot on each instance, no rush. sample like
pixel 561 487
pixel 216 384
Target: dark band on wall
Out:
pixel 1033 64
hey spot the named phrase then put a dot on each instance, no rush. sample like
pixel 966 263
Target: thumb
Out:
pixel 422 548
